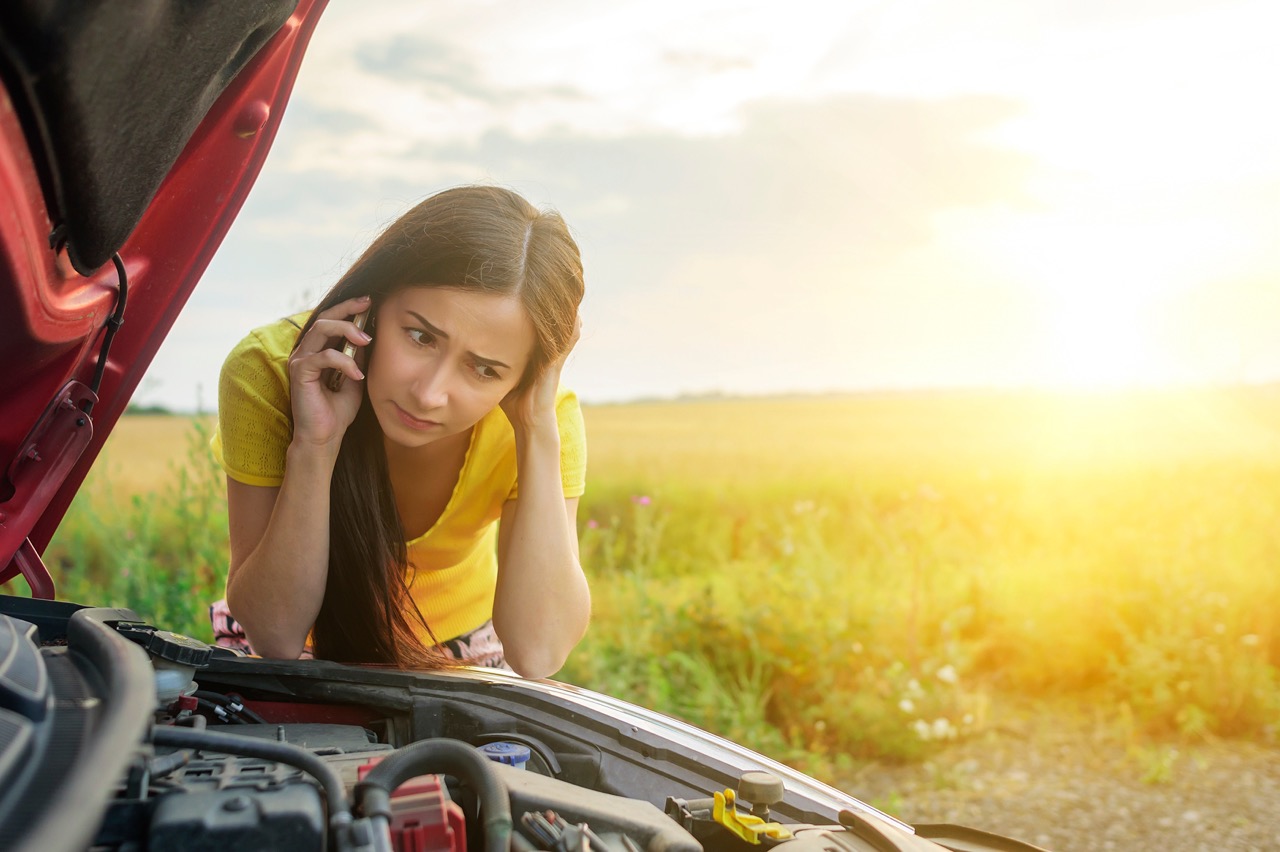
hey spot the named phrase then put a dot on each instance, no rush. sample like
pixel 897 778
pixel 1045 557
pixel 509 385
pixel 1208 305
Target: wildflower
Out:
pixel 922 729
pixel 641 499
pixel 593 524
pixel 1250 639
pixel 906 705
pixel 947 674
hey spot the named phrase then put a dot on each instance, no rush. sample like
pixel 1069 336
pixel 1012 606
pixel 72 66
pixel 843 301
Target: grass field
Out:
pixel 832 579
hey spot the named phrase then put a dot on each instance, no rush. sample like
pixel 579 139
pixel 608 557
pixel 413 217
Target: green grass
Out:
pixel 161 552
pixel 831 580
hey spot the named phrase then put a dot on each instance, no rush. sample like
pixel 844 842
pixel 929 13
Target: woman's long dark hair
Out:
pixel 472 238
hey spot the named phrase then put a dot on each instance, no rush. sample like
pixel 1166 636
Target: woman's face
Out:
pixel 442 359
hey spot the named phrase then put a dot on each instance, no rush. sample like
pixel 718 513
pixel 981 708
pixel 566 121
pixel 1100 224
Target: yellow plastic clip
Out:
pixel 749 828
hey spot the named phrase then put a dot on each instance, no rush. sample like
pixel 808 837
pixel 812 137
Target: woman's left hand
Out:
pixel 534 407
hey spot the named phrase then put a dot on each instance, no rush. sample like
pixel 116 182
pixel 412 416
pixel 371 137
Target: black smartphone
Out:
pixel 336 377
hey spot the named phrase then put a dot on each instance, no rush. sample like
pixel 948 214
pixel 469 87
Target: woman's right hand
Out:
pixel 320 415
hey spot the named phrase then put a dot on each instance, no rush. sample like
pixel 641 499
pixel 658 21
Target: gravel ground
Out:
pixel 1066 781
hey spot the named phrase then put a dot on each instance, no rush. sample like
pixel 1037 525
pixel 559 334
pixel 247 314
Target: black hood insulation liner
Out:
pixel 109 93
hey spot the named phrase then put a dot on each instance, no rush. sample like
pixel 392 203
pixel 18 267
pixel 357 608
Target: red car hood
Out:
pixel 130 135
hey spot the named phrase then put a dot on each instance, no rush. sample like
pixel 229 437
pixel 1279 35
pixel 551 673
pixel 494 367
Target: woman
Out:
pixel 366 519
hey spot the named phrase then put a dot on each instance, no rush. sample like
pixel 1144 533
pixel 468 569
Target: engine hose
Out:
pixel 171 762
pixel 290 755
pixel 220 712
pixel 452 757
pixel 229 703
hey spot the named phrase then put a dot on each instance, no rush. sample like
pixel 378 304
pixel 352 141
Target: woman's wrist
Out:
pixel 538 439
pixel 306 455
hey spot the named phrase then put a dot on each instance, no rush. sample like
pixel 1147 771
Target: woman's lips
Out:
pixel 414 423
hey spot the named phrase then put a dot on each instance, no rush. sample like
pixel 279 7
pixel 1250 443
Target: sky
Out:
pixel 805 196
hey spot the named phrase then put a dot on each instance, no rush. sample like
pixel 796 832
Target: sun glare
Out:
pixel 1109 285
pixel 1097 340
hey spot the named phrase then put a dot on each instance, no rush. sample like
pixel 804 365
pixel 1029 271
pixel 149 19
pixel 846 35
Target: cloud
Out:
pixel 840 171
pixel 701 63
pixel 803 218
pixel 438 67
pixel 797 253
pixel 852 176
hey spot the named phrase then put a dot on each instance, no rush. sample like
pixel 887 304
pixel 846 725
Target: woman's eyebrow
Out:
pixel 438 332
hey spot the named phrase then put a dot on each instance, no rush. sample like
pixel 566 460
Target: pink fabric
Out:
pixel 479 647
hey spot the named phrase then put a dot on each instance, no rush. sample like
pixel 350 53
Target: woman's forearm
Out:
pixel 542 604
pixel 275 592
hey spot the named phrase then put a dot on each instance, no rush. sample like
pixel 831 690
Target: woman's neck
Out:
pixel 423 480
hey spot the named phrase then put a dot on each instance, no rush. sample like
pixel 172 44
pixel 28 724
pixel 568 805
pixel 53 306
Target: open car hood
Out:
pixel 130 135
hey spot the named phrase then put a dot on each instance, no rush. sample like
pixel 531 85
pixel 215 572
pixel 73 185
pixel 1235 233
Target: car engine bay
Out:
pixel 101 710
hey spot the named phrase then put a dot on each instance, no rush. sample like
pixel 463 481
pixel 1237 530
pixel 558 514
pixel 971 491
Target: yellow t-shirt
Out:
pixel 453 567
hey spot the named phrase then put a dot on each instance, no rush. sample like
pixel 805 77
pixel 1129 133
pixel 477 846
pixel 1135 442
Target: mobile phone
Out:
pixel 336 377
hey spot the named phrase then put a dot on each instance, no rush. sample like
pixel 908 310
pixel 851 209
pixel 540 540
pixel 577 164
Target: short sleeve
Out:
pixel 254 424
pixel 573 446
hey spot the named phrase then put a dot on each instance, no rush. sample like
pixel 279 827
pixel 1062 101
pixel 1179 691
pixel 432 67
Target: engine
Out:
pixel 117 736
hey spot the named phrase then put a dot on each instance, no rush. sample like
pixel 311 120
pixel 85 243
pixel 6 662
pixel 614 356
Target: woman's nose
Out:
pixel 431 390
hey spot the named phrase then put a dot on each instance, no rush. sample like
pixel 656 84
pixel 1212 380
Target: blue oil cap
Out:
pixel 512 754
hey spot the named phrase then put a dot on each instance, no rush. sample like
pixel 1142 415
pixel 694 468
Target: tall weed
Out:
pixel 164 554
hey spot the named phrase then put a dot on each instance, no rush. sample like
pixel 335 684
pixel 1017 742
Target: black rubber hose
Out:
pixel 245 713
pixel 228 702
pixel 453 757
pixel 226 716
pixel 290 755
pixel 114 321
pixel 171 762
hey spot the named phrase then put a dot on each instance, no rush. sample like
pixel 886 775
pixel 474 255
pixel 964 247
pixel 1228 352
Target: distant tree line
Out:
pixel 146 410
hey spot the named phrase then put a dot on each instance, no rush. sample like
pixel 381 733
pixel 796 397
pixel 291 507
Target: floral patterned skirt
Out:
pixel 479 647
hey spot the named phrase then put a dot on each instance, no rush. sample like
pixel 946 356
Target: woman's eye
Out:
pixel 484 371
pixel 420 337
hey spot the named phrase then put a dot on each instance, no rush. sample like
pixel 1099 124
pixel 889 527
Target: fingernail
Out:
pixel 366 338
pixel 361 376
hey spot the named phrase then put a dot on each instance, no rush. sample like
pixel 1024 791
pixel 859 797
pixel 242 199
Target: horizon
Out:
pixel 1062 392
